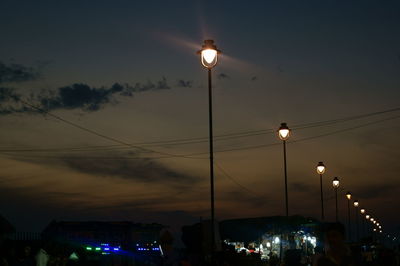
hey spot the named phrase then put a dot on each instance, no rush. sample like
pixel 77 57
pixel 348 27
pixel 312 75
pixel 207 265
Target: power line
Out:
pixel 99 134
pixel 309 138
pixel 256 146
pixel 185 141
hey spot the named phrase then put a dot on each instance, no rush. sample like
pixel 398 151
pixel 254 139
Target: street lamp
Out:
pixel 321 170
pixel 209 58
pixel 283 134
pixel 335 184
pixel 348 196
pixel 367 216
pixel 362 211
pixel 356 204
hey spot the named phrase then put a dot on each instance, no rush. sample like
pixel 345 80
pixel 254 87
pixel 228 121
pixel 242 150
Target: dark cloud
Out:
pixel 79 96
pixel 129 90
pixel 8 94
pixel 8 100
pixel 17 73
pixel 136 169
pixel 184 83
pixel 88 98
pixel 75 96
pixel 223 76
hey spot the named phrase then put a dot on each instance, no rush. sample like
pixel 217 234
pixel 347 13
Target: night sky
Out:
pixel 128 71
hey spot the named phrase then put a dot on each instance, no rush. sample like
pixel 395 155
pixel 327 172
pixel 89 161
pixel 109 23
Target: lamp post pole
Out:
pixel 321 170
pixel 322 198
pixel 209 57
pixel 286 185
pixel 362 212
pixel 337 215
pixel 348 196
pixel 335 184
pixel 357 224
pixel 283 134
pixel 210 123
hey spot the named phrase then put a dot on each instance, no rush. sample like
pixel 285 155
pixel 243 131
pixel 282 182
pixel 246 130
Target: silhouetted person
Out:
pixel 24 257
pixel 42 257
pixel 337 253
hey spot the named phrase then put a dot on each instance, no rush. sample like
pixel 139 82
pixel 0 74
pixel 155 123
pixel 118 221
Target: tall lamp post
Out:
pixel 321 170
pixel 367 216
pixel 348 196
pixel 284 133
pixel 372 227
pixel 335 184
pixel 209 58
pixel 362 211
pixel 356 204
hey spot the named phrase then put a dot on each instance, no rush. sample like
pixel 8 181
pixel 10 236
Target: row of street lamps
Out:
pixel 209 58
pixel 335 183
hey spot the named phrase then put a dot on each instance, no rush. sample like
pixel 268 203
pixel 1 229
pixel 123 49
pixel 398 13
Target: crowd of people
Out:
pixel 336 252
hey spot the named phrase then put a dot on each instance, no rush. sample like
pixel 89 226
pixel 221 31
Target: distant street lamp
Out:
pixel 321 170
pixel 348 196
pixel 356 204
pixel 362 211
pixel 209 58
pixel 284 133
pixel 335 184
pixel 367 216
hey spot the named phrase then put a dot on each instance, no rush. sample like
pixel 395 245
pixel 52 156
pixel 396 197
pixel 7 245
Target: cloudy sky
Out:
pixel 103 108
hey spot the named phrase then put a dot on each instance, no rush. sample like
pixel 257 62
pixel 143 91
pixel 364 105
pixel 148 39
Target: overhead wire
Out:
pixel 185 141
pixel 97 133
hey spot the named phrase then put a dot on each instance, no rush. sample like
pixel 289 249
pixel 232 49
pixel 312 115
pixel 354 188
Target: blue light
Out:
pixel 106 248
pixel 116 249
